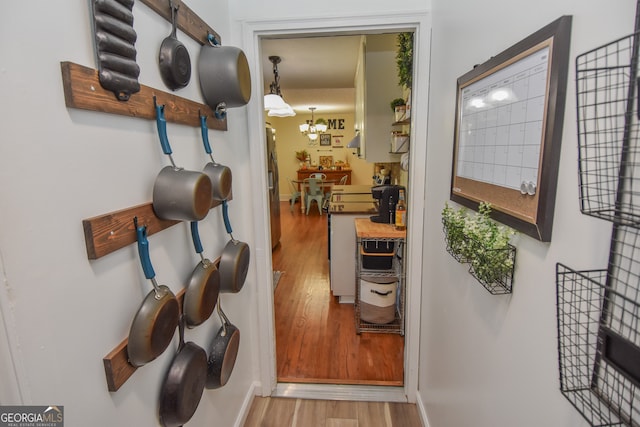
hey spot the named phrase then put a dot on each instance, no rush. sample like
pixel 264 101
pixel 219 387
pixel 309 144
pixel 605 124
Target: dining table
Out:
pixel 327 185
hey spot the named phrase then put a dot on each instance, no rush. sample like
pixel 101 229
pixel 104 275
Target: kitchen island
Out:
pixel 347 203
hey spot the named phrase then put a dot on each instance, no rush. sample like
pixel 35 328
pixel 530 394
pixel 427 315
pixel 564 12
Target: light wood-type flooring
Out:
pixel 286 412
pixel 316 340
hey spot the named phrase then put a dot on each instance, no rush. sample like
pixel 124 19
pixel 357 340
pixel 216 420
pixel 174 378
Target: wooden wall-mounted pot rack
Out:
pixel 109 232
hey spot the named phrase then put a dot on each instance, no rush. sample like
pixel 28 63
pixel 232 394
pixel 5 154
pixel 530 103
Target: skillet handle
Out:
pixel 225 216
pixel 161 124
pixel 143 250
pixel 195 235
pixel 205 134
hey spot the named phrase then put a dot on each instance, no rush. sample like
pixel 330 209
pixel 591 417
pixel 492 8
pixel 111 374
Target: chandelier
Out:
pixel 311 129
pixel 273 101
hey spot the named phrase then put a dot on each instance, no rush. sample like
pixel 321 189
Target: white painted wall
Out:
pixel 486 360
pixel 63 313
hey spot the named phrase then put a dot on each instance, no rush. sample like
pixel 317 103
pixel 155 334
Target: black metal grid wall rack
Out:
pixel 598 311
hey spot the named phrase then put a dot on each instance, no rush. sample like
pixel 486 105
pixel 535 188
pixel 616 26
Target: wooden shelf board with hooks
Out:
pixel 109 232
pixel 187 20
pixel 82 90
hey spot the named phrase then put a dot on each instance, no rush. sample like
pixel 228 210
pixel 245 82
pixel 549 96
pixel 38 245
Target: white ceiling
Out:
pixel 314 71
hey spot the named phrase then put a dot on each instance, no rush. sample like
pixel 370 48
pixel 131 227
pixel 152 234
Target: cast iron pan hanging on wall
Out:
pixel 183 383
pixel 223 352
pixel 155 321
pixel 114 39
pixel 174 60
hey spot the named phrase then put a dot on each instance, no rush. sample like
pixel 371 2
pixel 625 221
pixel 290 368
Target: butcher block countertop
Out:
pixel 367 229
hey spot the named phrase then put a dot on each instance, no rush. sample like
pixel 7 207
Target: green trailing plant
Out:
pixel 481 242
pixel 397 103
pixel 404 59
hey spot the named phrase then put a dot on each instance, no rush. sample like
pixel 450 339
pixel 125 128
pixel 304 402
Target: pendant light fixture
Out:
pixel 312 129
pixel 273 101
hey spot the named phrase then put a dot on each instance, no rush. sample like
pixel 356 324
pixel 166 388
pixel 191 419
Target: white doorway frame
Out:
pixel 252 34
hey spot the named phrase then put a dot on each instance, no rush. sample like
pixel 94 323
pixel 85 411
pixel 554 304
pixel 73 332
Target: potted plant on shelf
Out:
pixel 399 107
pixel 481 242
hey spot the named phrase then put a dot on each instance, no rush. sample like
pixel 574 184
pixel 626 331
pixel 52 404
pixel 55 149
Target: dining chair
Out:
pixel 318 175
pixel 343 180
pixel 313 192
pixel 295 194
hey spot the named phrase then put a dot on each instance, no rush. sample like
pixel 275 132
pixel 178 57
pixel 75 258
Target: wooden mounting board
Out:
pixel 109 232
pixel 82 90
pixel 187 21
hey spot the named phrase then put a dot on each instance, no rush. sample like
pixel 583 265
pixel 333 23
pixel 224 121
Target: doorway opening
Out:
pixel 315 328
pixel 344 25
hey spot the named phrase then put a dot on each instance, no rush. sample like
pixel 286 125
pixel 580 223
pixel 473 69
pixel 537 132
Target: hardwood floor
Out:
pixel 286 412
pixel 316 340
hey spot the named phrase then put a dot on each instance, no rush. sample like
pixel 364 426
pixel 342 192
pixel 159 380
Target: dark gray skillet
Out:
pixel 203 288
pixel 173 59
pixel 183 383
pixel 234 261
pixel 222 352
pixel 155 322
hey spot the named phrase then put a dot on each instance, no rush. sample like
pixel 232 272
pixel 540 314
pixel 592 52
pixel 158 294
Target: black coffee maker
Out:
pixel 387 197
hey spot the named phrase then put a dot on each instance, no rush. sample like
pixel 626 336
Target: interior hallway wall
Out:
pixel 61 312
pixel 489 361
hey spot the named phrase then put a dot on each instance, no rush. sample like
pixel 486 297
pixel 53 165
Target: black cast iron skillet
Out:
pixel 155 322
pixel 234 261
pixel 174 60
pixel 203 288
pixel 222 352
pixel 183 384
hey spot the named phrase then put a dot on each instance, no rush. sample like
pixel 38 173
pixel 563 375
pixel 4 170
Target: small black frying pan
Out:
pixel 174 60
pixel 222 352
pixel 183 384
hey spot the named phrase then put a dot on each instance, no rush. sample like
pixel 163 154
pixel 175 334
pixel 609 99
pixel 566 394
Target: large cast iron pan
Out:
pixel 173 59
pixel 234 261
pixel 179 194
pixel 222 352
pixel 203 288
pixel 155 322
pixel 183 383
pixel 219 175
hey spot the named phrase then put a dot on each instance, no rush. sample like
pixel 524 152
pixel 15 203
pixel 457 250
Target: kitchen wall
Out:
pixel 486 360
pixel 289 140
pixel 62 313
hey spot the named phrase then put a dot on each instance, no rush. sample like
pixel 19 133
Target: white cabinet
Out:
pixel 376 85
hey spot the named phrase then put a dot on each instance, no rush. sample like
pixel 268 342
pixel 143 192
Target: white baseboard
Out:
pixel 246 404
pixel 421 410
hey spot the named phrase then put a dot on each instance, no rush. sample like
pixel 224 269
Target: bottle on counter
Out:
pixel 401 212
pixel 392 211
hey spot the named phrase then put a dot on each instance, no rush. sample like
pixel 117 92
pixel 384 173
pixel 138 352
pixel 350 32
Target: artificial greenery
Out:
pixel 396 103
pixel 404 59
pixel 481 242
pixel 302 155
